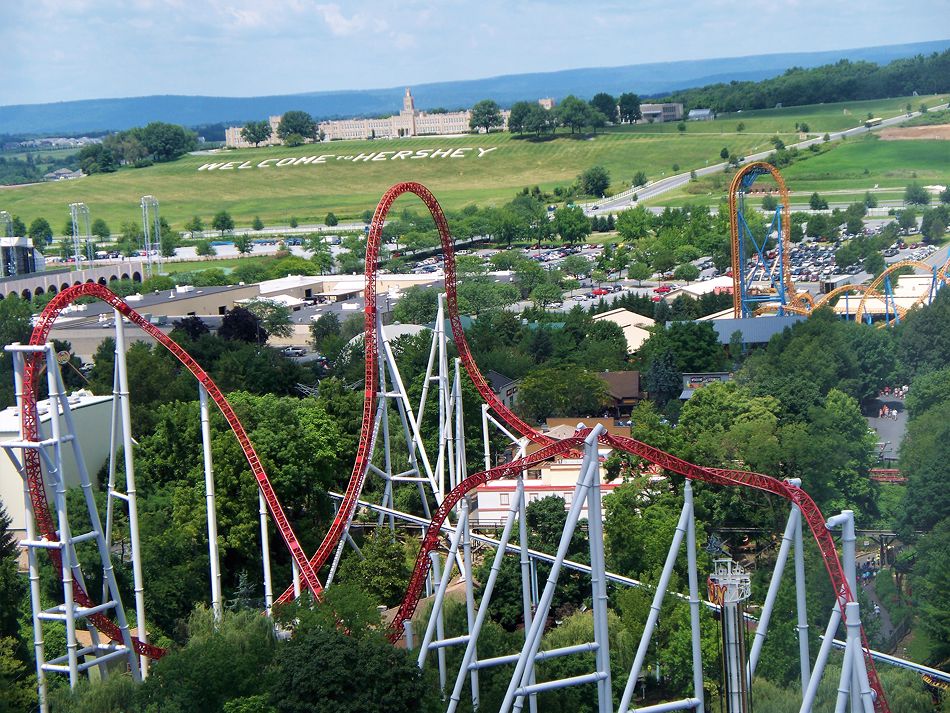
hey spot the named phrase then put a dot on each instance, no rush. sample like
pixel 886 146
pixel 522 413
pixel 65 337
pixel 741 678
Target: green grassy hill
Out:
pixel 346 187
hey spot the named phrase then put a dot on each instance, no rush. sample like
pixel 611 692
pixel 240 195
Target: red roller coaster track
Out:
pixel 34 473
pixel 550 448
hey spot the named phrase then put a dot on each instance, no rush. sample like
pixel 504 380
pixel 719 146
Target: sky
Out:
pixel 58 50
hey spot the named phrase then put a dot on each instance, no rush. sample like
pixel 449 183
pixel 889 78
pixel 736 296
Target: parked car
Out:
pixel 598 291
pixel 294 351
pixel 662 289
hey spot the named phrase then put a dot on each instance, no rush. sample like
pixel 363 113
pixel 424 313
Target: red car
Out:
pixel 663 289
pixel 656 298
pixel 600 291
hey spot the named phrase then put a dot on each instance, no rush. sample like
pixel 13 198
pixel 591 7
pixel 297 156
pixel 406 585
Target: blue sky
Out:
pixel 57 50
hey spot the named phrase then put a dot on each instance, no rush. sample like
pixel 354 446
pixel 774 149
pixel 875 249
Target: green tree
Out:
pixel 244 244
pixel 256 132
pixel 418 305
pixel 331 219
pixel 635 224
pixel 915 194
pixel 769 203
pixel 870 200
pixel 101 229
pixel 740 127
pixel 486 114
pixel 223 222
pixel 166 142
pixel 931 585
pixel 639 271
pixel 595 181
pixel 571 224
pixel 257 223
pixel 520 111
pixel 874 263
pixel 273 316
pixel 298 123
pixel 19 687
pixel 568 390
pixel 322 670
pixel 573 112
pixel 15 326
pixel 204 248
pixel 40 231
pixel 933 224
pixel 663 380
pixel 816 202
pixel 606 105
pixel 241 324
pixel 923 457
pixel 694 345
pixel 640 179
pixel 906 219
pixel 545 294
pixel 577 266
pixel 629 107
pixel 383 570
pixel 687 271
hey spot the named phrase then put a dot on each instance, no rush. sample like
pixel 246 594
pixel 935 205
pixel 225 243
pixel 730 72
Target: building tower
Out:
pixel 729 587
pixel 408 103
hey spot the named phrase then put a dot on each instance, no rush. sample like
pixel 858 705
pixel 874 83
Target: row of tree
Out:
pixel 841 81
pixel 139 147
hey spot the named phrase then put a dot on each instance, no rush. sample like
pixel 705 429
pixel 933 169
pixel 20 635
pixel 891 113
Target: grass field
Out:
pixel 850 167
pixel 348 188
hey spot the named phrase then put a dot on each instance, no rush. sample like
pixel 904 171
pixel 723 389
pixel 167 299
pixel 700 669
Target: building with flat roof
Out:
pixel 701 115
pixel 660 113
pixel 91 416
pixel 635 326
pixel 18 257
pixel 234 140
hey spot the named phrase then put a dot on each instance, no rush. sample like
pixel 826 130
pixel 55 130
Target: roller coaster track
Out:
pixel 34 472
pixel 549 447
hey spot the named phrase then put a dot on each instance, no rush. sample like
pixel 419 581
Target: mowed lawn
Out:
pixel 308 192
pixel 348 188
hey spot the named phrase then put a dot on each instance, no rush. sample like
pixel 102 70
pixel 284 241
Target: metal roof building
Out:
pixel 755 330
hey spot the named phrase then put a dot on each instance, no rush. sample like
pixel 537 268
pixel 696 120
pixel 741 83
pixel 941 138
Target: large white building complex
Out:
pixel 408 122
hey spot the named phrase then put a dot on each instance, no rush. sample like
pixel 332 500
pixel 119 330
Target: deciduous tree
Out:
pixel 485 115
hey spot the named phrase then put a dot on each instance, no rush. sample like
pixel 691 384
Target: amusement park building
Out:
pixel 91 415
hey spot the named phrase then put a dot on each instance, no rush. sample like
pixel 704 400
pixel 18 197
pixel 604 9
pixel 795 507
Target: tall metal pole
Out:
pixel 598 569
pixel 265 552
pixel 209 504
pixel 801 603
pixel 527 601
pixel 694 601
pixel 34 568
pixel 469 592
pixel 65 537
pixel 130 490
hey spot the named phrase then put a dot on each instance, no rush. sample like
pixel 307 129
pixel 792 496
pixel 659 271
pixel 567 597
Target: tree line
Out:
pixel 156 142
pixel 842 81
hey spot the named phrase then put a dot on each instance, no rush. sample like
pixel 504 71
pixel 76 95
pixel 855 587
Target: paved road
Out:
pixel 625 200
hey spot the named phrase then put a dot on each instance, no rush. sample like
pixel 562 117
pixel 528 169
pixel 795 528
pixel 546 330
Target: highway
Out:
pixel 625 200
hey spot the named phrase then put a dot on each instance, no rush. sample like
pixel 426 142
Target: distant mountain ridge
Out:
pixel 644 79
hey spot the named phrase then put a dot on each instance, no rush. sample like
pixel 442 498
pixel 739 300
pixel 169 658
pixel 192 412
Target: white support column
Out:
pixel 31 535
pixel 469 593
pixel 521 679
pixel 801 604
pixel 655 610
pixel 775 582
pixel 65 536
pixel 485 440
pixel 130 490
pixel 265 553
pixel 694 600
pixel 527 598
pixel 110 480
pixel 216 603
pixel 598 569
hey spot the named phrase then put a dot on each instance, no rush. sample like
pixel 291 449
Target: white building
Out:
pixel 553 478
pixel 91 416
pixel 659 113
pixel 18 257
pixel 634 326
pixel 234 140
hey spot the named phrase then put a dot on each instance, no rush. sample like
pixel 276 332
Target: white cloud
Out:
pixel 339 24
